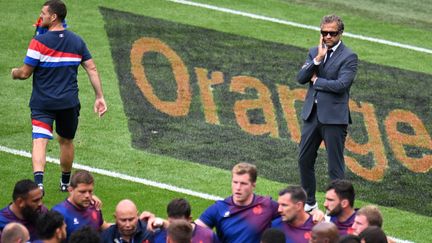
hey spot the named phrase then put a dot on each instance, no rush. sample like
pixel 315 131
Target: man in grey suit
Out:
pixel 329 71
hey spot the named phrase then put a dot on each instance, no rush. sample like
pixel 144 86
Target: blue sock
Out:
pixel 65 177
pixel 38 177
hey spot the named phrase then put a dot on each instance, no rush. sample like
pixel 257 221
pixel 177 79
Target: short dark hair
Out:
pixel 350 239
pixel 344 189
pixel 22 189
pixel 81 176
pixel 179 208
pixel 57 7
pixel 273 235
pixel 297 193
pixel 48 223
pixel 373 234
pixel 333 18
pixel 85 234
pixel 180 231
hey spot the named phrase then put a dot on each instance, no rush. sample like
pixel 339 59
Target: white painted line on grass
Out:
pixel 119 175
pixel 134 179
pixel 303 26
pixel 399 240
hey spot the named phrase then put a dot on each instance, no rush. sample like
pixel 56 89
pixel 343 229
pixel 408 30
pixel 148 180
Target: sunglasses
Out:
pixel 331 33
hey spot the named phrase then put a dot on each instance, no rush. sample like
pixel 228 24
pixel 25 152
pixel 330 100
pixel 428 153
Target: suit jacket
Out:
pixel 331 89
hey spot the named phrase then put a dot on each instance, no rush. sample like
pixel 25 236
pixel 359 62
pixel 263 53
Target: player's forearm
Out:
pixel 105 225
pixel 93 75
pixel 95 82
pixel 97 86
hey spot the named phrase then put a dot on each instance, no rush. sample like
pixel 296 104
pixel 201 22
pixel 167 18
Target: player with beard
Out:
pixel 25 208
pixel 294 221
pixel 53 58
pixel 78 209
pixel 339 203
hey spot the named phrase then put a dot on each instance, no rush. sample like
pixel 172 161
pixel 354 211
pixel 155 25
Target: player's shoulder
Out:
pixel 72 35
pixel 264 199
pixel 61 206
pixel 219 205
pixel 4 210
pixel 277 223
pixel 4 221
pixel 6 216
pixel 45 37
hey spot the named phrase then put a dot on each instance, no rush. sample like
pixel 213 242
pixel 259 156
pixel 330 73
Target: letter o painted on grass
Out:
pixel 179 107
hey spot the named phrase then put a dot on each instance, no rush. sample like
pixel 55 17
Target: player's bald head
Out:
pixel 126 206
pixel 13 232
pixel 325 232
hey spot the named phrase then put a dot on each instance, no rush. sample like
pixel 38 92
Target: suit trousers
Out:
pixel 313 133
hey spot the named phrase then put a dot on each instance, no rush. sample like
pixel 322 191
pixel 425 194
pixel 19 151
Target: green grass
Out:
pixel 413 14
pixel 106 143
pixel 192 138
pixel 310 14
pixel 13 168
pixel 146 198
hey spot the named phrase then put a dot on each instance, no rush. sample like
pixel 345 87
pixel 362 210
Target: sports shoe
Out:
pixel 64 187
pixel 42 189
pixel 308 208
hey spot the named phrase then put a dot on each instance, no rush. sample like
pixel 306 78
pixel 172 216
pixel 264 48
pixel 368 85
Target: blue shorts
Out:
pixel 66 122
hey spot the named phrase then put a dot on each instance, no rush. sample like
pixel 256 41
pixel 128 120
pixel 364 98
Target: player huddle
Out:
pixel 242 217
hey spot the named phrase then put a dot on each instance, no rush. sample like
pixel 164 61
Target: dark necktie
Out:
pixel 329 52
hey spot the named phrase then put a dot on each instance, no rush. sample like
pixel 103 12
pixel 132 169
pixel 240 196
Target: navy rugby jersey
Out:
pixel 294 234
pixel 55 57
pixel 241 223
pixel 200 234
pixel 345 228
pixel 75 218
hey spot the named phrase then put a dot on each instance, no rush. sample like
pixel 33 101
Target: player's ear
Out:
pixel 20 202
pixel 54 17
pixel 58 233
pixel 344 203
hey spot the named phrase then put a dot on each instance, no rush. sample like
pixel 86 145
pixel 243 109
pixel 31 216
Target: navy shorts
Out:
pixel 66 122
